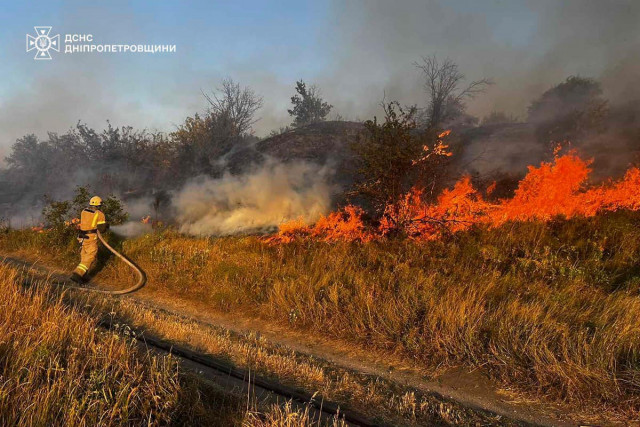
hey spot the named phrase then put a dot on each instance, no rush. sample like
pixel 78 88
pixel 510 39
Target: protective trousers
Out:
pixel 88 255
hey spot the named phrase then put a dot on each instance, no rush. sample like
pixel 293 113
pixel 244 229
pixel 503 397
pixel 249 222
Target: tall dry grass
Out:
pixel 366 394
pixel 57 368
pixel 549 309
pixel 288 416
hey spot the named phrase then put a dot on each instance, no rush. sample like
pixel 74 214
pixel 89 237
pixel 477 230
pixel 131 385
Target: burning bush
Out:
pixel 554 189
pixel 395 155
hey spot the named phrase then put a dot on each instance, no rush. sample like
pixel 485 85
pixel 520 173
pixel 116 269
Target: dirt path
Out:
pixel 470 389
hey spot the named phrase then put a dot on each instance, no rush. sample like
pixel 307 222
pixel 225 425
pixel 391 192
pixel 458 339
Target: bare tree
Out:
pixel 443 85
pixel 235 105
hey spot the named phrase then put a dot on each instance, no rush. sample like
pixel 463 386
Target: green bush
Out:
pixel 59 215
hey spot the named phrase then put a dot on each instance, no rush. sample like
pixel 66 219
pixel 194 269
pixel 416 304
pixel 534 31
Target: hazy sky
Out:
pixel 356 51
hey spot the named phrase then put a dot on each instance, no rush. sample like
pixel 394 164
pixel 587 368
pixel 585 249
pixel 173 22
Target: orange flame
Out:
pixel 491 188
pixel 38 228
pixel 345 224
pixel 74 222
pixel 557 188
pixel 287 231
pixel 439 149
pixel 456 209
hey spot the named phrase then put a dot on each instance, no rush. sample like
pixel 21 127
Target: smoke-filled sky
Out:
pixel 356 51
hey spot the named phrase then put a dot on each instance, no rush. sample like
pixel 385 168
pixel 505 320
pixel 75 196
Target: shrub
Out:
pixel 394 156
pixel 61 216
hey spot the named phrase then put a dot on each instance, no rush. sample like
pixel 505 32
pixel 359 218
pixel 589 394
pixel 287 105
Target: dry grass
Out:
pixel 366 394
pixel 549 309
pixel 287 416
pixel 58 368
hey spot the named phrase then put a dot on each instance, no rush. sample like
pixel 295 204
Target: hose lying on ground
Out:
pixel 142 277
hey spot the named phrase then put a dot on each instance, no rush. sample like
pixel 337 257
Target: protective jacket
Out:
pixel 91 220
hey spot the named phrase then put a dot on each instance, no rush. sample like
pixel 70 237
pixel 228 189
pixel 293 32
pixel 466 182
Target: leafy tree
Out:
pixel 56 214
pixel 308 106
pixel 111 205
pixel 59 216
pixel 113 210
pixel 28 161
pixel 443 84
pixel 197 144
pixel 569 110
pixel 115 160
pixel 394 156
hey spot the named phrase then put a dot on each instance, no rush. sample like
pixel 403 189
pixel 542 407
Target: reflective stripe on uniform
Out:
pixel 82 267
pixel 102 222
pixel 95 220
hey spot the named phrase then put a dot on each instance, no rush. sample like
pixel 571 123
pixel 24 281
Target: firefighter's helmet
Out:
pixel 95 201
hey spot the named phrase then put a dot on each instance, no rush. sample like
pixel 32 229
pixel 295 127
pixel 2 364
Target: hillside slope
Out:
pixel 321 143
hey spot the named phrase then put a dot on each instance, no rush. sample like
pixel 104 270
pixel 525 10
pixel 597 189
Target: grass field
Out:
pixel 59 368
pixel 550 310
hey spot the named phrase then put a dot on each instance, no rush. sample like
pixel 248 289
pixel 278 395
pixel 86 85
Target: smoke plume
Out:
pixel 253 202
pixel 132 229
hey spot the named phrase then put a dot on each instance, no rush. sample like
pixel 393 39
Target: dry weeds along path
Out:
pixel 221 373
pixel 460 397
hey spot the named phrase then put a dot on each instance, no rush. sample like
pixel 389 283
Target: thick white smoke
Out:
pixel 132 229
pixel 253 202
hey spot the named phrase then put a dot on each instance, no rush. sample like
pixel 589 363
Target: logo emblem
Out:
pixel 42 43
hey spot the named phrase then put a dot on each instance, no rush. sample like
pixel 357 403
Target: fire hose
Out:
pixel 142 277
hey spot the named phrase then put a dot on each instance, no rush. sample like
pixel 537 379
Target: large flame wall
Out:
pixel 557 188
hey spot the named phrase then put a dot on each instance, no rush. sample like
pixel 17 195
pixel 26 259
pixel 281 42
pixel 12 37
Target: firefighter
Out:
pixel 91 220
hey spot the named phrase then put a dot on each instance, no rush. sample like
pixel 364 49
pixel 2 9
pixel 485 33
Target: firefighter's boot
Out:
pixel 75 277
